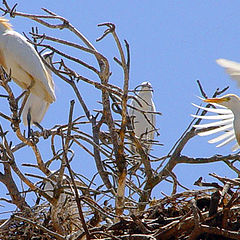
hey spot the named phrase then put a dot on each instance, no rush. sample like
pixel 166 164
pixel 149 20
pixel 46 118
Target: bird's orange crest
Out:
pixel 5 23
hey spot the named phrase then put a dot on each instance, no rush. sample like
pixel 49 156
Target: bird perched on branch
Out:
pixel 36 107
pixel 142 114
pixel 227 110
pixel 18 57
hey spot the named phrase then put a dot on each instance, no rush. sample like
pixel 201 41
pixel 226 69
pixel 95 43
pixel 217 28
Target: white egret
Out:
pixel 36 107
pixel 227 120
pixel 20 58
pixel 142 115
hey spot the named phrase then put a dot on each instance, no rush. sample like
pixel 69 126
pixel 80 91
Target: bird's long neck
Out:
pixel 236 124
pixel 237 128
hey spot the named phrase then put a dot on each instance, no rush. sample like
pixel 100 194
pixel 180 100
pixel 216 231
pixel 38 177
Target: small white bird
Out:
pixel 20 58
pixel 227 120
pixel 36 107
pixel 142 115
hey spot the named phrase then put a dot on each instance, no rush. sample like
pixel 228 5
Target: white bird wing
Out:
pixel 36 106
pixel 25 64
pixel 221 110
pixel 131 111
pixel 216 130
pixel 137 117
pixel 228 140
pixel 215 124
pixel 231 67
pixel 222 137
pixel 224 126
pixel 153 120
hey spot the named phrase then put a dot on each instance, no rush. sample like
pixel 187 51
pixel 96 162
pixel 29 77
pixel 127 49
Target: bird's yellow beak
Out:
pixel 215 100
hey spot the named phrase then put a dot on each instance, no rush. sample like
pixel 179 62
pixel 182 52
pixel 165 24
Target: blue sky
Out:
pixel 172 44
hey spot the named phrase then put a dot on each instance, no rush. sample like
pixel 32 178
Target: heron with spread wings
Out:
pixel 227 112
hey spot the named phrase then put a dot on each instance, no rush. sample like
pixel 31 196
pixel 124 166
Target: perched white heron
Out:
pixel 36 107
pixel 227 112
pixel 20 58
pixel 142 114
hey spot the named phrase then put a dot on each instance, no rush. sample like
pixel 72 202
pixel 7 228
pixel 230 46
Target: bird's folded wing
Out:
pixel 23 53
pixel 131 111
pixel 37 108
pixel 153 116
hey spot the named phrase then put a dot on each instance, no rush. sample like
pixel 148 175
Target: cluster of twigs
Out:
pixel 210 213
pixel 128 179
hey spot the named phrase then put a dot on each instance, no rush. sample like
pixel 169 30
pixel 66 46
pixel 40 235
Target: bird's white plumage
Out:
pixel 231 67
pixel 227 135
pixel 143 124
pixel 219 110
pixel 228 127
pixel 20 58
pixel 217 123
pixel 35 105
pixel 228 111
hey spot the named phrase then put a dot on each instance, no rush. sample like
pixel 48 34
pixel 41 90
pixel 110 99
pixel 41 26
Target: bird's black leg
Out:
pixel 39 126
pixel 26 93
pixel 29 123
pixel 44 131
